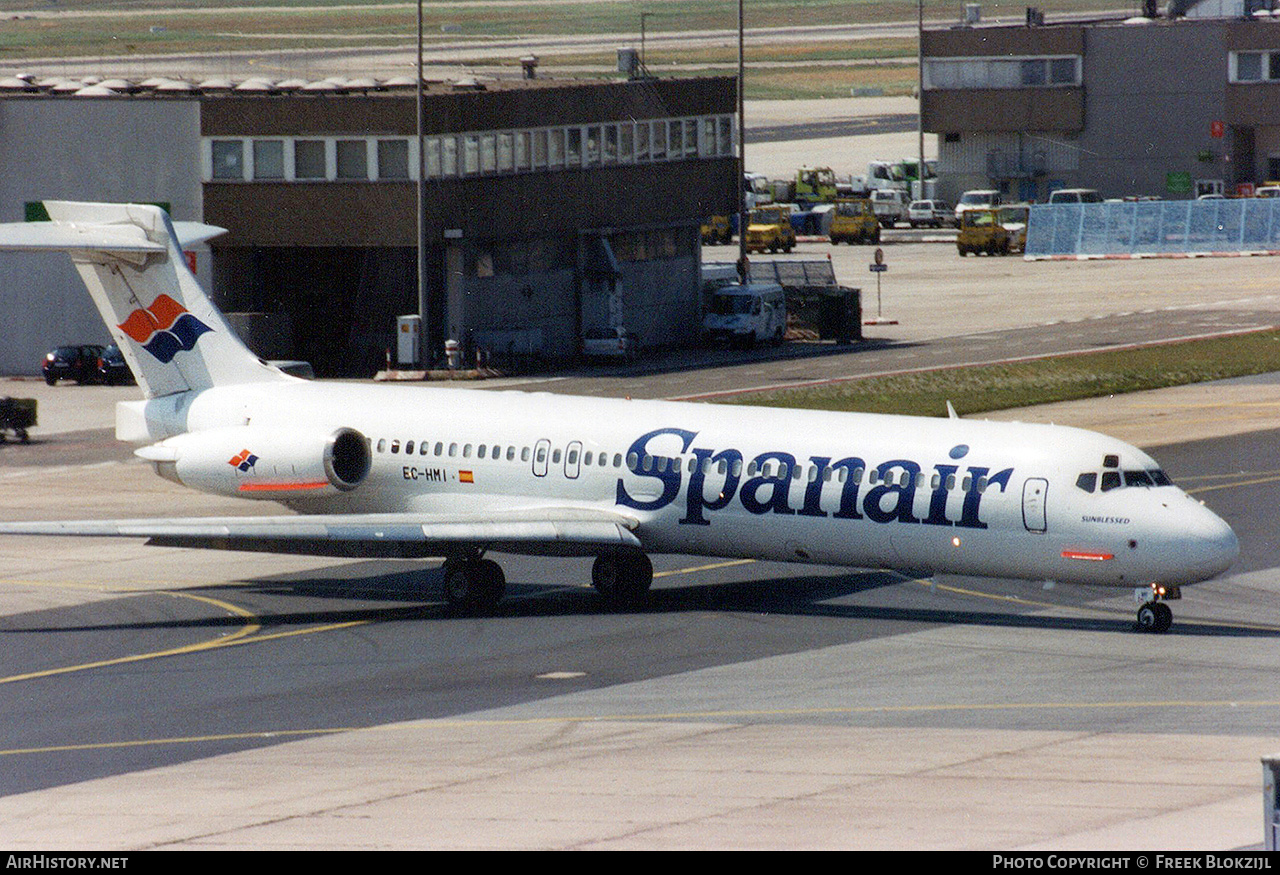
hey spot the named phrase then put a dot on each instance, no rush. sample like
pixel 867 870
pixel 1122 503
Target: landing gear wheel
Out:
pixel 473 585
pixel 1155 617
pixel 622 578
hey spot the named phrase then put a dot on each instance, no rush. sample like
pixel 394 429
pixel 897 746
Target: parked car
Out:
pixel 1075 196
pixel 79 363
pixel 931 213
pixel 977 199
pixel 112 368
pixel 1268 191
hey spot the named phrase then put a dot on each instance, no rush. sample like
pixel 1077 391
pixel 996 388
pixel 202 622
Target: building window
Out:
pixel 268 159
pixel 626 142
pixel 482 153
pixel 470 155
pixel 506 153
pixel 393 159
pixel 309 159
pixel 997 72
pixel 488 154
pixel 353 159
pixel 573 147
pixel 555 149
pixel 228 159
pixel 1249 67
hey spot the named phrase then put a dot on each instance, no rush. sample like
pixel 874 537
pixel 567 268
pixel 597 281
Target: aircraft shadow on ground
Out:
pixel 415 596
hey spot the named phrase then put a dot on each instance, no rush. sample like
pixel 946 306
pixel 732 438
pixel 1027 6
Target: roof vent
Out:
pixel 468 84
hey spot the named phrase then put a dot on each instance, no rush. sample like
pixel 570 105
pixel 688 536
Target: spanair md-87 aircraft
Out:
pixel 416 472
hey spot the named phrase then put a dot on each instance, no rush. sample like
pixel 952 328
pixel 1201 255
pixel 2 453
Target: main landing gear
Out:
pixel 1153 614
pixel 623 578
pixel 474 585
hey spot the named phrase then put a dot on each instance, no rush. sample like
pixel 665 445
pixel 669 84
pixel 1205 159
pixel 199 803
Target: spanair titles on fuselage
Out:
pixel 777 482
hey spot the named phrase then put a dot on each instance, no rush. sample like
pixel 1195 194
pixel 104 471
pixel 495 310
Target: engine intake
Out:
pixel 257 462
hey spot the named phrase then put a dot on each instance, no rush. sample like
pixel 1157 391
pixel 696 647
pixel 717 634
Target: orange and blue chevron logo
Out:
pixel 164 329
pixel 243 461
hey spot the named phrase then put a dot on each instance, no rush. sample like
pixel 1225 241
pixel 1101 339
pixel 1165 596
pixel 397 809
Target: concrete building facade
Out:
pixel 1155 107
pixel 553 210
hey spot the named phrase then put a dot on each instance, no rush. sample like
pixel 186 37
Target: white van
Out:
pixel 1075 196
pixel 744 314
pixel 977 199
pixel 890 206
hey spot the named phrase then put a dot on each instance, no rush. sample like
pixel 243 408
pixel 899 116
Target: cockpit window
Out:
pixel 1138 478
pixel 1115 479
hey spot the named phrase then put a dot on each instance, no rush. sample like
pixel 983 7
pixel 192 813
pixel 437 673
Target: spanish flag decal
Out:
pixel 465 477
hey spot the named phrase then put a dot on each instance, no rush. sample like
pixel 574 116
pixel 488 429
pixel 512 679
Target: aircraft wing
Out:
pixel 543 531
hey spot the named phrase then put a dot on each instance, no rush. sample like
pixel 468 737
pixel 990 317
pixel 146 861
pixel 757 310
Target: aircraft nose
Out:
pixel 1211 544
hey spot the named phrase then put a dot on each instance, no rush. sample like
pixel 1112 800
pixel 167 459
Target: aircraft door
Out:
pixel 573 460
pixel 541 450
pixel 1033 504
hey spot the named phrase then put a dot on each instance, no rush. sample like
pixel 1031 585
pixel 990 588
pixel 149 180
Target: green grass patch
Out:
pixel 1063 378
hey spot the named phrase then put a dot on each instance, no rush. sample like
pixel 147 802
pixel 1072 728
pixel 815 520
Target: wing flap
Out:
pixel 561 531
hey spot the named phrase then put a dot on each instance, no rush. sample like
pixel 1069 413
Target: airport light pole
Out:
pixel 742 149
pixel 422 209
pixel 920 94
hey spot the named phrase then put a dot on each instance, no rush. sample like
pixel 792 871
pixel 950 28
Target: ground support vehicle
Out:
pixel 981 231
pixel 616 343
pixel 890 206
pixel 854 221
pixel 746 314
pixel 770 228
pixel 716 229
pixel 977 199
pixel 16 416
pixel 1013 218
pixel 815 185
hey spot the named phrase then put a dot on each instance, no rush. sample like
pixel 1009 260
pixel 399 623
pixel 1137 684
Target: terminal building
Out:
pixel 553 209
pixel 1147 106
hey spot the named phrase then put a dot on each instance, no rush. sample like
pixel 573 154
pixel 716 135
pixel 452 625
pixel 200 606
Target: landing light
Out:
pixel 955 542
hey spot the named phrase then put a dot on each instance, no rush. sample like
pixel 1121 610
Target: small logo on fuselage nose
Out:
pixel 164 329
pixel 243 461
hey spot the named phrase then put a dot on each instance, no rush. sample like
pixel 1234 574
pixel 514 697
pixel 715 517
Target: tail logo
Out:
pixel 164 329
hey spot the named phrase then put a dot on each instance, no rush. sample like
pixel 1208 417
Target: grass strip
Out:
pixel 980 388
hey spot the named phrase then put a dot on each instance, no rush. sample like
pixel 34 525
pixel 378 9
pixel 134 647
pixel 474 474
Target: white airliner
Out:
pixel 412 471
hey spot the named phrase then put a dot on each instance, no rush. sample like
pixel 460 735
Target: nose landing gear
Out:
pixel 1153 614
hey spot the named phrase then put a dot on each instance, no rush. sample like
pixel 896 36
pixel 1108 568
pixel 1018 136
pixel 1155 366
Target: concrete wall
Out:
pixel 83 149
pixel 1153 93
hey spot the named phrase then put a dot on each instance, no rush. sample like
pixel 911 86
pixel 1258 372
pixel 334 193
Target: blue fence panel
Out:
pixel 1154 228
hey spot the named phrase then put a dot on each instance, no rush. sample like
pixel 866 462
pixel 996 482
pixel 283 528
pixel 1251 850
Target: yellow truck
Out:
pixel 716 229
pixel 993 230
pixel 854 221
pixel 815 185
pixel 770 228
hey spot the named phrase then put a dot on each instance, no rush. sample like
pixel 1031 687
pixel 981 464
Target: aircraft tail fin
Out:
pixel 130 258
